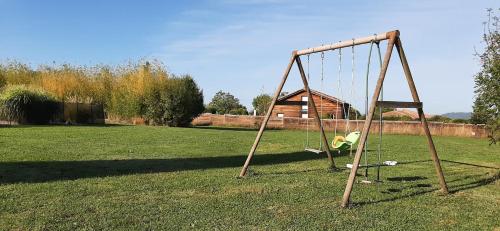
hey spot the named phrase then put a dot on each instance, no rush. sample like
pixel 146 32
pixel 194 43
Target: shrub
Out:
pixel 154 103
pixel 181 100
pixel 327 116
pixel 439 118
pixel 398 118
pixel 242 110
pixel 460 121
pixel 136 89
pixel 3 81
pixel 125 104
pixel 353 113
pixel 27 105
pixel 210 109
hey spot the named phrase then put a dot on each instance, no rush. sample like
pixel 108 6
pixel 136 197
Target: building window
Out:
pixel 305 115
pixel 304 103
pixel 281 115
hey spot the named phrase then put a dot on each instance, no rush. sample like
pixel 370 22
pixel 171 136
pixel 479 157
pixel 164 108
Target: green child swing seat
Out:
pixel 341 144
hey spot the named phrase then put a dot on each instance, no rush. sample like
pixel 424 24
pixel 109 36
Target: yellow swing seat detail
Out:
pixel 345 143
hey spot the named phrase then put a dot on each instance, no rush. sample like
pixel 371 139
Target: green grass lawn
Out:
pixel 138 177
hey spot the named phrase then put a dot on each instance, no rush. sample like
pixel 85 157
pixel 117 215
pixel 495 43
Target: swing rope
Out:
pixel 366 105
pixel 321 106
pixel 307 119
pixel 321 98
pixel 339 90
pixel 379 151
pixel 353 93
pixel 381 123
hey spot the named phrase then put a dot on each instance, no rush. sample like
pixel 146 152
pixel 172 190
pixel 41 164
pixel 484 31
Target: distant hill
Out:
pixel 458 115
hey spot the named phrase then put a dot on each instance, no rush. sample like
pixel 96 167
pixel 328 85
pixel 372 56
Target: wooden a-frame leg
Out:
pixel 315 110
pixel 423 120
pixel 268 115
pixel 368 121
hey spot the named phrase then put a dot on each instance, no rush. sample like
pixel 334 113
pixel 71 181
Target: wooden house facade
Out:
pixel 296 105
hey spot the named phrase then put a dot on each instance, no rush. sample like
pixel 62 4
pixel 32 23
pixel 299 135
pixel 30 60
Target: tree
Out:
pixel 261 103
pixel 183 101
pixel 487 81
pixel 225 103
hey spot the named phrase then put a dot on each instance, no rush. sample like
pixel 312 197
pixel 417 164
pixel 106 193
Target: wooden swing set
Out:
pixel 393 41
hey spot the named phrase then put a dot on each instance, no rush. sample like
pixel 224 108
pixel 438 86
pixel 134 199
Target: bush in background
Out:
pixel 27 105
pixel 3 82
pixel 439 118
pixel 182 101
pixel 460 121
pixel 397 118
pixel 154 103
pixel 138 89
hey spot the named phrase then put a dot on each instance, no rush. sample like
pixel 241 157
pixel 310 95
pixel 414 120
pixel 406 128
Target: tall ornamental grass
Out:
pixel 27 105
pixel 137 89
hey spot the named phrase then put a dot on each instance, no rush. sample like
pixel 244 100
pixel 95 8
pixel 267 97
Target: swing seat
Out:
pixel 340 143
pixel 317 151
pixel 385 163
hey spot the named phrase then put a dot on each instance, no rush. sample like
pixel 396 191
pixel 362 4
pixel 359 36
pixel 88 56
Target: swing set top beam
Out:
pixel 349 43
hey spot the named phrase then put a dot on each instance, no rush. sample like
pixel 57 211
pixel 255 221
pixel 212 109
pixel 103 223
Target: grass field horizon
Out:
pixel 146 177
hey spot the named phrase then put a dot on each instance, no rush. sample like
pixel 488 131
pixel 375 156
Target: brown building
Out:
pixel 295 105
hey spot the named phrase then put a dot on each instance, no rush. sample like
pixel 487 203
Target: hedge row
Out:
pixel 142 89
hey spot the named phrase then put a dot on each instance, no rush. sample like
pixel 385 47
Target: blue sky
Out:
pixel 243 46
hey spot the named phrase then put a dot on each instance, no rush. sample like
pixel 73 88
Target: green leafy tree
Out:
pixel 225 103
pixel 183 101
pixel 261 103
pixel 487 81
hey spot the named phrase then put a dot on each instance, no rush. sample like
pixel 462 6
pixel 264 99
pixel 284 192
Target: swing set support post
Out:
pixel 423 120
pixel 268 115
pixel 368 121
pixel 394 41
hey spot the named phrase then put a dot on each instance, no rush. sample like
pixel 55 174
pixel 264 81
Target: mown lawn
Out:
pixel 138 177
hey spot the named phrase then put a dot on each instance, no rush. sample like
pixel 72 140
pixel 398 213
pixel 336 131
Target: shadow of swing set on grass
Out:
pixel 48 171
